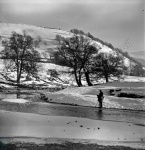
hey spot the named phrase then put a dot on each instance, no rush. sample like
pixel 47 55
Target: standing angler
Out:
pixel 100 98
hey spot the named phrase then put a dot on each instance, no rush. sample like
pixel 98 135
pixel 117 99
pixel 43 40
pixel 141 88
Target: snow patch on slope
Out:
pixel 34 31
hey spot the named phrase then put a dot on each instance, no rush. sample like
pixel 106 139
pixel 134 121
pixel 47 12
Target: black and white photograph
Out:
pixel 72 75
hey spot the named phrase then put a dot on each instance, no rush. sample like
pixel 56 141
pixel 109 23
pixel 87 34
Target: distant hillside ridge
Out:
pixel 138 54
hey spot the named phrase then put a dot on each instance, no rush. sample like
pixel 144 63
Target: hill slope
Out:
pixel 48 43
pixel 46 47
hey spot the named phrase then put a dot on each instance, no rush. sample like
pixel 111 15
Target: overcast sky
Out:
pixel 120 22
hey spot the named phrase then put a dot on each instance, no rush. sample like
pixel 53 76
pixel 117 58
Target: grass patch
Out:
pixel 65 146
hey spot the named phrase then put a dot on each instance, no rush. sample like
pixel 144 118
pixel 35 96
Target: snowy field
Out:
pixel 86 96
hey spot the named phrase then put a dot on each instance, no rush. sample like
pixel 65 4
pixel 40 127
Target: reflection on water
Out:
pixel 100 114
pixel 15 95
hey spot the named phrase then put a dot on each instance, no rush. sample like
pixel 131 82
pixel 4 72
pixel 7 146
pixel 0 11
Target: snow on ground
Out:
pixel 87 96
pixel 16 124
pixel 22 101
pixel 48 35
pixel 46 66
pixel 134 79
pixel 1 65
pixel 64 78
pixel 34 31
pixel 1 47
pixel 105 49
pixel 91 100
pixel 127 62
pixel 5 86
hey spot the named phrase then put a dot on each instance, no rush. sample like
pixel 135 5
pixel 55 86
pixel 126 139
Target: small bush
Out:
pixel 111 90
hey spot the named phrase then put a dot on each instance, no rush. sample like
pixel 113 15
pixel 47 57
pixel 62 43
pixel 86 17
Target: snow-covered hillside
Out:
pixel 47 35
pixel 34 31
pixel 138 54
pixel 47 45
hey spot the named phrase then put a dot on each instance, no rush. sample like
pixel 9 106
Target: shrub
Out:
pixel 130 95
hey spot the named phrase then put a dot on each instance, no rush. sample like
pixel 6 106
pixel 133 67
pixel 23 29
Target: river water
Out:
pixel 13 94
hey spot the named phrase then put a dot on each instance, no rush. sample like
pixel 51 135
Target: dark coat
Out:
pixel 100 96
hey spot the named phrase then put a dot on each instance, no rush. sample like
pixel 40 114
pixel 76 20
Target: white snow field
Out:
pixel 87 96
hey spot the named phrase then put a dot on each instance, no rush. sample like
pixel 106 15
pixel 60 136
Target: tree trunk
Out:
pixel 106 77
pixel 88 79
pixel 77 81
pixel 18 76
pixel 80 82
pixel 18 92
pixel 80 77
pixel 18 81
pixel 18 84
pixel 19 72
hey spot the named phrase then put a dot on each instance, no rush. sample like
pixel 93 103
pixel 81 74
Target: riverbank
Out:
pixel 86 96
pixel 17 124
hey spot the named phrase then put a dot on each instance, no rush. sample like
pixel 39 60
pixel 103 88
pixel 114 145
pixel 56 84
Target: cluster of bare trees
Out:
pixel 77 52
pixel 84 58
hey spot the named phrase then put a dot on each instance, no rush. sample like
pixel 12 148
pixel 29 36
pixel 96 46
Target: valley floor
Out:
pixel 71 116
pixel 41 123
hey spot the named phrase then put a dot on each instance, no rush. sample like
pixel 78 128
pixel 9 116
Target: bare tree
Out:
pixel 20 56
pixel 78 52
pixel 109 65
